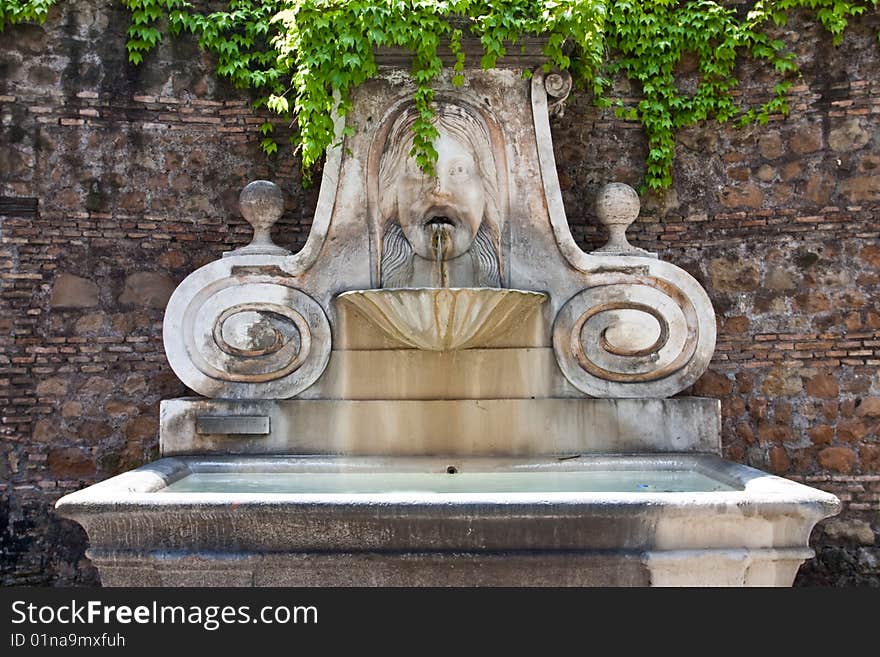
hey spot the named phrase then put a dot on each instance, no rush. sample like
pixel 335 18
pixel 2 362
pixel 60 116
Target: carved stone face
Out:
pixel 452 201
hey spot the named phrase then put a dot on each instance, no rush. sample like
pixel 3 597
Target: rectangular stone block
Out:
pixel 232 424
pixel 501 427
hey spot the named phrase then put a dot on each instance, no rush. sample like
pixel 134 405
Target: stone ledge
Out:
pixel 458 426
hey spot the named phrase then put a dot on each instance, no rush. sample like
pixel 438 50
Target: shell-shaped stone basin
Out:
pixel 444 318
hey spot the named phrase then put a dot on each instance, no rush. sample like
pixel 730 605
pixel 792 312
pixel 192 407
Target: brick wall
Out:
pixel 117 181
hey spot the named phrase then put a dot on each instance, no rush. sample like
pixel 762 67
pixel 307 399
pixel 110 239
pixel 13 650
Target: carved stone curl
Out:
pixel 634 336
pixel 558 86
pixel 245 335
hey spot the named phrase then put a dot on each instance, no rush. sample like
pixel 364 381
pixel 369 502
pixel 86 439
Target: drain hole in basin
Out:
pixel 451 470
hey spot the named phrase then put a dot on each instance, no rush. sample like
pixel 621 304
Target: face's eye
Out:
pixel 460 169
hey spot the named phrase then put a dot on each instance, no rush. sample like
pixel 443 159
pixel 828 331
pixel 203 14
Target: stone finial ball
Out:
pixel 262 204
pixel 617 203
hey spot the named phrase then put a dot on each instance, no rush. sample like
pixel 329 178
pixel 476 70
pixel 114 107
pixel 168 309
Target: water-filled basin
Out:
pixel 331 520
pixel 444 318
pixel 361 483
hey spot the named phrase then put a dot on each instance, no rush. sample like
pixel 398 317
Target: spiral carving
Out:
pixel 633 337
pixel 246 337
pixel 558 86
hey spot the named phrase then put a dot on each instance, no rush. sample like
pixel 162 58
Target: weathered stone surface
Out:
pixel 729 275
pixel 869 407
pixel 766 173
pixel 119 407
pixel 91 323
pixel 830 410
pixel 415 535
pixel 780 279
pixel 782 381
pixel 770 145
pixel 135 383
pixel 94 431
pixel 806 139
pixel 713 384
pixel 869 455
pixel 848 136
pixel 822 385
pixel 743 196
pixel 70 463
pixel 779 461
pixel 861 188
pixel 45 431
pixel 737 324
pixel 857 531
pixel 97 385
pixel 71 291
pixel 777 433
pixel 822 434
pixel 813 302
pixel 150 289
pixel 617 207
pixel 852 432
pixel 838 459
pixel 842 566
pixel 142 428
pixel 745 432
pixel 489 427
pixel 819 188
pixel 870 253
pixel 745 383
pixel 173 259
pixel 52 387
pixel 71 408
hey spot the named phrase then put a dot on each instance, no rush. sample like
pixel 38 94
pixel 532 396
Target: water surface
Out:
pixel 604 481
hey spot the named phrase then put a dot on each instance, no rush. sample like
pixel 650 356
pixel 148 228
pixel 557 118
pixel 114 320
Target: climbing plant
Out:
pixel 303 57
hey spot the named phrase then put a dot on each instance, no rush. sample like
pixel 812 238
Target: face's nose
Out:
pixel 443 187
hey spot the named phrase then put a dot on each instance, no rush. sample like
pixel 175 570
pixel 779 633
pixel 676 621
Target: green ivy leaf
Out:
pixel 297 56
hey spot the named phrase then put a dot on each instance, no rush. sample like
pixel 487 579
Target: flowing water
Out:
pixel 440 242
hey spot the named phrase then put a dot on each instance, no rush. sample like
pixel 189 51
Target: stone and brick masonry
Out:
pixel 116 181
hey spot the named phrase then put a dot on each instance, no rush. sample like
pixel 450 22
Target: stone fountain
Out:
pixel 441 387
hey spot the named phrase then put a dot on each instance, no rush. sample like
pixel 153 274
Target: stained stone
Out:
pixel 148 289
pixel 855 530
pixel 869 407
pixel 823 386
pixel 91 323
pixel 848 136
pixel 837 459
pixel 728 275
pixel 46 431
pixel 52 387
pixel 807 139
pixel 70 291
pixel 71 463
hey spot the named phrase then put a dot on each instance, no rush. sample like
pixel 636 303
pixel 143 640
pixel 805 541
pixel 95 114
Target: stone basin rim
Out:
pixel 139 488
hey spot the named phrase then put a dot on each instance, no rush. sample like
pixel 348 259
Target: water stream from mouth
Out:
pixel 439 243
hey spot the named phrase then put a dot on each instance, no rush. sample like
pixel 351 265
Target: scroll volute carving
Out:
pixel 239 327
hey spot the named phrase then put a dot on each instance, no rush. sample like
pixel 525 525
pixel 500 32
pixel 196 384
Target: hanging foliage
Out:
pixel 303 57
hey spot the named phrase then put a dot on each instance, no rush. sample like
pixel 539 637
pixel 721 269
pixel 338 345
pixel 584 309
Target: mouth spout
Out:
pixel 442 216
pixel 440 222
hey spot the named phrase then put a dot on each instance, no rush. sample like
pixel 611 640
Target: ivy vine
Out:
pixel 304 57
